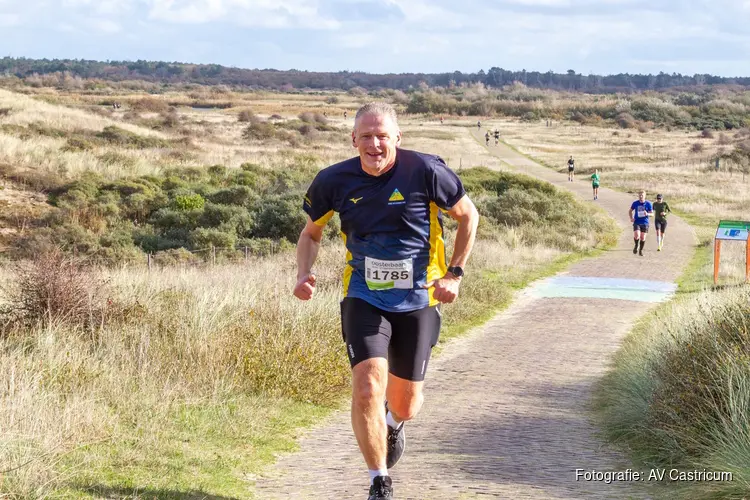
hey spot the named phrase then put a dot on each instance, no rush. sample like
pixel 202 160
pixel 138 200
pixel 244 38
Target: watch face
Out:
pixel 456 271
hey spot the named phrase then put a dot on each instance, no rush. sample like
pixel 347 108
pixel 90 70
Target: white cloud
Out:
pixel 106 26
pixel 100 7
pixel 67 28
pixel 9 20
pixel 543 3
pixel 252 13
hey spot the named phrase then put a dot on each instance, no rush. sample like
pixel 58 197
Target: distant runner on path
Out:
pixel 390 202
pixel 497 136
pixel 640 211
pixel 487 138
pixel 661 209
pixel 595 183
pixel 571 168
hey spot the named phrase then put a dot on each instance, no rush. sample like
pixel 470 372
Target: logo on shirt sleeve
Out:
pixel 355 200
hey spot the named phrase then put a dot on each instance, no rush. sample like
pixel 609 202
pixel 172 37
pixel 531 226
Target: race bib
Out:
pixel 388 274
pixel 641 212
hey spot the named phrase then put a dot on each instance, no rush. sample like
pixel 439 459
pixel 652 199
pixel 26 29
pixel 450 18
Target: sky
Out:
pixel 391 36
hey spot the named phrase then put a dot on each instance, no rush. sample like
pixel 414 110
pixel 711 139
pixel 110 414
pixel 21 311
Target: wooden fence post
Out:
pixel 717 258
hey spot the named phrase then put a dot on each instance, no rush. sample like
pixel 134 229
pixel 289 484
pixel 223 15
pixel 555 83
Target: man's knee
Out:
pixel 406 408
pixel 369 380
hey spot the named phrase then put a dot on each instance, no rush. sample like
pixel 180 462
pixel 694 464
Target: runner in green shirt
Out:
pixel 661 209
pixel 595 183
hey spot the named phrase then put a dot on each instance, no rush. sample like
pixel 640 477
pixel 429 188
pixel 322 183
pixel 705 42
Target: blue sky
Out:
pixel 589 36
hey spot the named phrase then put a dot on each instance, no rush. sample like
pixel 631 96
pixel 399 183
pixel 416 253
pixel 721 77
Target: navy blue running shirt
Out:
pixel 391 224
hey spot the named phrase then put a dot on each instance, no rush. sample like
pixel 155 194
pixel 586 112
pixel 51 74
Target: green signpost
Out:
pixel 733 230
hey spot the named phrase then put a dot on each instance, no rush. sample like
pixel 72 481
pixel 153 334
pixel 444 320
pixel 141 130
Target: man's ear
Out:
pixel 398 138
pixel 354 139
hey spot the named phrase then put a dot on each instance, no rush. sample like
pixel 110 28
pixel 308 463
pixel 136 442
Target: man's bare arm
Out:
pixel 468 218
pixel 307 252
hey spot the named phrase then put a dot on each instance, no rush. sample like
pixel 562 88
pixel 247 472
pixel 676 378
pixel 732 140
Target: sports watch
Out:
pixel 456 271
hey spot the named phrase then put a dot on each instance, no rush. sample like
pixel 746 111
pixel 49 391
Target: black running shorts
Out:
pixel 640 227
pixel 405 339
pixel 660 225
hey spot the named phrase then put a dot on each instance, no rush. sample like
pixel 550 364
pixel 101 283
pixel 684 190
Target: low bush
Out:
pixel 53 288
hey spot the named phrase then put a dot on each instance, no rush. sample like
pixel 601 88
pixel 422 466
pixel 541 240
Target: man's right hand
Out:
pixel 305 287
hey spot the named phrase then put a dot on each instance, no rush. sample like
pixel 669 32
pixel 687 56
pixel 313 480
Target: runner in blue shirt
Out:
pixel 390 202
pixel 640 211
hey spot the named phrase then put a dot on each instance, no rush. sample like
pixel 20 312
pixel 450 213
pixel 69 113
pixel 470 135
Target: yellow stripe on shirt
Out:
pixel 324 220
pixel 436 266
pixel 348 270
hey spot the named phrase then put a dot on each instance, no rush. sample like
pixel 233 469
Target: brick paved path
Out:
pixel 505 412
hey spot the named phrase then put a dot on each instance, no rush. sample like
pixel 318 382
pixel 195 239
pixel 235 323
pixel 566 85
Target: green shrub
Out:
pixel 482 179
pixel 202 238
pixel 188 202
pixel 168 218
pixel 124 138
pixel 175 257
pixel 259 131
pixel 279 217
pixel 150 104
pixel 248 179
pixel 218 173
pixel 119 159
pixel 228 217
pixel 235 195
pixel 147 239
pixel 195 175
pixel 173 182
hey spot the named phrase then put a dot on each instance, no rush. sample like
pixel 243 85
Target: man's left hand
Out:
pixel 446 288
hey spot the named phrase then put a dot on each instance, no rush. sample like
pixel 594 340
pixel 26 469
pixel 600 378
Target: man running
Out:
pixel 571 168
pixel 640 211
pixel 389 201
pixel 497 136
pixel 479 124
pixel 595 183
pixel 661 209
pixel 487 138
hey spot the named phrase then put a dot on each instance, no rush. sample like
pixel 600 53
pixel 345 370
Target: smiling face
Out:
pixel 376 137
pixel 641 196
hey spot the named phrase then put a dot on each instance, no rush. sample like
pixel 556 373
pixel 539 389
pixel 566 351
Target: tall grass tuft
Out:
pixel 679 393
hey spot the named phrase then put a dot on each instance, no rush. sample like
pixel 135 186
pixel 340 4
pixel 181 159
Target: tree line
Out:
pixel 214 74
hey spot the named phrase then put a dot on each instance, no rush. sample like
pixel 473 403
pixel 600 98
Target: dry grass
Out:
pixel 216 135
pixel 657 161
